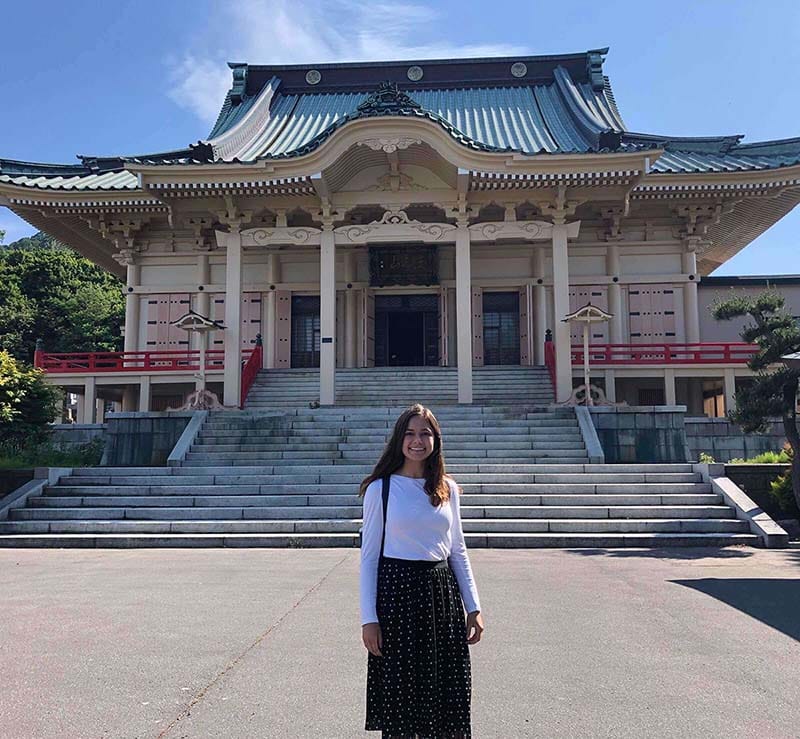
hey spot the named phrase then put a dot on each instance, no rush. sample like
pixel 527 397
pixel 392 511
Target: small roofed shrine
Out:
pixel 446 213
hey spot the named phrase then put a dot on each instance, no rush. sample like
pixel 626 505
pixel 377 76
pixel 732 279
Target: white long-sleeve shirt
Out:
pixel 414 530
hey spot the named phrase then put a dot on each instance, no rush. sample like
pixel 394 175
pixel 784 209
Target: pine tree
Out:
pixel 774 389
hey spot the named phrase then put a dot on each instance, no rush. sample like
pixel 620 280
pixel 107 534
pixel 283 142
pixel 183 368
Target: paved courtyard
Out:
pixel 265 643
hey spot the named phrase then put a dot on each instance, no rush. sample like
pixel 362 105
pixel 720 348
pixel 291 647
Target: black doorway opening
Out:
pixel 406 330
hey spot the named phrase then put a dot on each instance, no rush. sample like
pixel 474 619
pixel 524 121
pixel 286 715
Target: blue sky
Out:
pixel 132 77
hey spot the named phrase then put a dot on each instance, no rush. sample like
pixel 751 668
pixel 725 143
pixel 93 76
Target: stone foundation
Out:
pixel 139 439
pixel 647 433
pixel 70 436
pixel 724 440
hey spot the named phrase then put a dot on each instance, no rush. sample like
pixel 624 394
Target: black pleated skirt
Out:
pixel 422 685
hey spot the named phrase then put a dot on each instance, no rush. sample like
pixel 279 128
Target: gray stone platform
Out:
pixel 206 644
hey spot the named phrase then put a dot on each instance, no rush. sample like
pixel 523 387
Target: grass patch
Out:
pixel 47 455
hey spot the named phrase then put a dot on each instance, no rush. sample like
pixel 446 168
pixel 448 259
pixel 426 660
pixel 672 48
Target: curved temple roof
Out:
pixel 528 105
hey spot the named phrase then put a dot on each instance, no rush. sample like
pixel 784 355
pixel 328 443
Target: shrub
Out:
pixel 781 491
pixel 27 405
pixel 46 455
pixel 706 458
pixel 784 456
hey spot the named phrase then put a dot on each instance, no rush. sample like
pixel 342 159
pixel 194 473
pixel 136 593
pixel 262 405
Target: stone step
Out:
pixel 289 418
pixel 354 422
pixel 177 513
pixel 376 447
pixel 343 434
pixel 471 526
pixel 192 541
pixel 383 412
pixel 370 456
pixel 248 484
pixel 300 540
pixel 106 473
pixel 412 385
pixel 253 496
pixel 400 375
pixel 240 526
pixel 369 461
pixel 289 511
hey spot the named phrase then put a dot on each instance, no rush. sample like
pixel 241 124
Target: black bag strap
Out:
pixel 385 497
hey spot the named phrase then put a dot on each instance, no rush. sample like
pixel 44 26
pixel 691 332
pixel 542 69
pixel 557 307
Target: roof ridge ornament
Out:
pixel 388 99
pixel 239 85
pixel 594 68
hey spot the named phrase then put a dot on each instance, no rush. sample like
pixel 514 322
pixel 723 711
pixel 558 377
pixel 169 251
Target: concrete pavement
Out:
pixel 265 643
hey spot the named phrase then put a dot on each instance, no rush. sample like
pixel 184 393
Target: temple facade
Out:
pixel 417 214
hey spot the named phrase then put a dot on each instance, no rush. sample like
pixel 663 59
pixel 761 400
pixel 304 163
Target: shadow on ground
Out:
pixel 688 553
pixel 774 602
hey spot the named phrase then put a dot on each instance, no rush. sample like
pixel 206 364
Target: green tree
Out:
pixel 48 291
pixel 774 389
pixel 27 405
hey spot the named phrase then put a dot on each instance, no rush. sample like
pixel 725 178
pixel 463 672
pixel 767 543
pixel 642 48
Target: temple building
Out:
pixel 442 213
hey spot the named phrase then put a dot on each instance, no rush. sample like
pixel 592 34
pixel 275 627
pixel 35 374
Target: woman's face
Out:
pixel 418 440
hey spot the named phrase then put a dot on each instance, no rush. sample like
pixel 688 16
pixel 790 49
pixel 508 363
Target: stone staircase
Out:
pixel 393 386
pixel 288 478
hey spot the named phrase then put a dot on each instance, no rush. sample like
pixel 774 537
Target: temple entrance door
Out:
pixel 305 331
pixel 406 330
pixel 501 336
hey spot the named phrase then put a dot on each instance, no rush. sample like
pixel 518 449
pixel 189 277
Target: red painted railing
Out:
pixel 179 360
pixel 550 360
pixel 250 370
pixel 637 354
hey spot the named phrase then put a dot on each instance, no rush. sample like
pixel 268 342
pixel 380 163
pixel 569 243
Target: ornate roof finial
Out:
pixel 594 68
pixel 239 86
pixel 387 99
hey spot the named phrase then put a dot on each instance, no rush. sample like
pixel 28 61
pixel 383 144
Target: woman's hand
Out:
pixel 474 627
pixel 372 638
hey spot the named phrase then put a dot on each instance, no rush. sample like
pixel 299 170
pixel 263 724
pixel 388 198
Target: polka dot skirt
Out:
pixel 422 686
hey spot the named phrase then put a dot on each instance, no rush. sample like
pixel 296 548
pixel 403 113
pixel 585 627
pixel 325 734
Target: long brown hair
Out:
pixel 392 458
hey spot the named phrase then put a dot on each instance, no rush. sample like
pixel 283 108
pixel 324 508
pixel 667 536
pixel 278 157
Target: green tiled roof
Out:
pixel 531 105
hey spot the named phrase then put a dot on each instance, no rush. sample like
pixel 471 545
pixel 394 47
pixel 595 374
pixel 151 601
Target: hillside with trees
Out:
pixel 49 292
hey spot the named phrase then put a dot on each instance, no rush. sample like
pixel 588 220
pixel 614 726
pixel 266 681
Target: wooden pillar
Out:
pixel 691 312
pixel 271 320
pixel 611 385
pixel 561 336
pixel 669 387
pixel 729 389
pixel 144 393
pixel 539 306
pixel 463 313
pixel 131 343
pixel 233 317
pixel 327 318
pixel 350 320
pixel 89 400
pixel 129 401
pixel 616 326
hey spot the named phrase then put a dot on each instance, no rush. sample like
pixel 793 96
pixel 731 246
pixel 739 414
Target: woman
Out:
pixel 414 574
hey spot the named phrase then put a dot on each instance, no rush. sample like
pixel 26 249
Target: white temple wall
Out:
pixel 650 279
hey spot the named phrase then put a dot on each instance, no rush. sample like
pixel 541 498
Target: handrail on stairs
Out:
pixel 250 369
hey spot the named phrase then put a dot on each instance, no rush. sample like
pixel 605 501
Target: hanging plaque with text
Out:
pixel 403 265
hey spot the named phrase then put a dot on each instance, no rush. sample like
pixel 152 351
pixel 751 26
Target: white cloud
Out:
pixel 307 31
pixel 199 85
